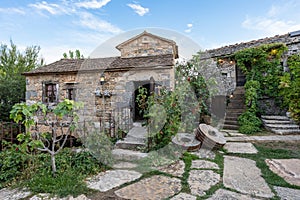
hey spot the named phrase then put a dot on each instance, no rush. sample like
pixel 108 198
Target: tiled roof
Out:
pixel 231 49
pixel 109 63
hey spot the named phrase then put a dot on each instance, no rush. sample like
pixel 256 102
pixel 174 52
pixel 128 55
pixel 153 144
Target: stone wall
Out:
pixel 34 85
pixel 120 84
pixel 228 67
pixel 146 46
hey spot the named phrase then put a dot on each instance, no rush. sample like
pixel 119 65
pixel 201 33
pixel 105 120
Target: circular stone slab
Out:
pixel 210 136
pixel 186 141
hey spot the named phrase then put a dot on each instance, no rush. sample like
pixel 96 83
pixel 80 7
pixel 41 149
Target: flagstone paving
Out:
pixel 222 194
pixel 242 175
pixel 287 193
pixel 239 174
pixel 202 180
pixel 204 164
pixel 184 196
pixel 175 169
pixel 124 165
pixel 289 169
pixel 204 153
pixel 240 147
pixel 155 187
pixel 111 179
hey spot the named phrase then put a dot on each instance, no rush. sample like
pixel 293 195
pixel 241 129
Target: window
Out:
pixel 50 93
pixel 70 90
pixel 71 94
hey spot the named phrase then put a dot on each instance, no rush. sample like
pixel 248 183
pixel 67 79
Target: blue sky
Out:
pixel 59 25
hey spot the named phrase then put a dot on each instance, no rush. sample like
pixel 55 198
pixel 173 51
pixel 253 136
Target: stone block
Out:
pixel 242 175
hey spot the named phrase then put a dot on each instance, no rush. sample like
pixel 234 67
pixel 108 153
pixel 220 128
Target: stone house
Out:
pixel 109 86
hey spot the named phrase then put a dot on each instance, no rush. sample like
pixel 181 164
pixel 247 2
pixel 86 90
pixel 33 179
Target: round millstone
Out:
pixel 210 136
pixel 186 141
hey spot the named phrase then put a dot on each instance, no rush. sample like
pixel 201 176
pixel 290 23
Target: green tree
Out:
pixel 71 55
pixel 62 120
pixel 12 83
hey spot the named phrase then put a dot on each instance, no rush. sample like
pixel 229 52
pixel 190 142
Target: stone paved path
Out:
pixel 155 187
pixel 111 179
pixel 240 147
pixel 264 138
pixel 240 175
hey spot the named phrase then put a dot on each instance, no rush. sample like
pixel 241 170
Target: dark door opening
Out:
pixel 240 77
pixel 138 113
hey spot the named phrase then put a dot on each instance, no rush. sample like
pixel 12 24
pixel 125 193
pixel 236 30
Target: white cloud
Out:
pixel 280 19
pixel 189 28
pixel 90 21
pixel 93 4
pixel 12 11
pixel 52 8
pixel 271 26
pixel 141 11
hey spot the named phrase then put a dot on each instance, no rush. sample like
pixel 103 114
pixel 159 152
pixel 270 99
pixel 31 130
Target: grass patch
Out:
pixel 64 184
pixel 36 174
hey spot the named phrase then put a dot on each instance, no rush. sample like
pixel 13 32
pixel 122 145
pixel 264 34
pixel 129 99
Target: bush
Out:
pixel 12 163
pixel 249 123
pixel 34 171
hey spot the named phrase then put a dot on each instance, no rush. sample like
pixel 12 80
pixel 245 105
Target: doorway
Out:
pixel 138 114
pixel 240 77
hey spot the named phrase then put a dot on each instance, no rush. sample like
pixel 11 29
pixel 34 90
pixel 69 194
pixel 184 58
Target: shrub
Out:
pixel 249 123
pixel 12 163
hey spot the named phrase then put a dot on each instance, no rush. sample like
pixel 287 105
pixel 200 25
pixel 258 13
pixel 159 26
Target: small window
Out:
pixel 71 94
pixel 50 93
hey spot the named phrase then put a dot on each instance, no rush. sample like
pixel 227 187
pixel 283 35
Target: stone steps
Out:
pixel 231 122
pixel 230 127
pixel 135 139
pixel 128 155
pixel 280 125
pixel 130 144
pixel 234 109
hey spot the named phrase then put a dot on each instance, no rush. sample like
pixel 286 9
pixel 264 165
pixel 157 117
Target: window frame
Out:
pixel 53 98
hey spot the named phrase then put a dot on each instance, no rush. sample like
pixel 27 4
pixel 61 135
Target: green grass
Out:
pixel 64 184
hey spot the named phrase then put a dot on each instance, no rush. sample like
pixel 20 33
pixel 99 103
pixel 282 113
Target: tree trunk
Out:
pixel 53 164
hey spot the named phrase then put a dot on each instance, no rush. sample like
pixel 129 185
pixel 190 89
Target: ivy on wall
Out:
pixel 262 66
pixel 290 87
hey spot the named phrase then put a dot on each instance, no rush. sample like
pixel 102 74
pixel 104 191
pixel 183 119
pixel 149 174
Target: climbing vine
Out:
pixel 290 87
pixel 263 69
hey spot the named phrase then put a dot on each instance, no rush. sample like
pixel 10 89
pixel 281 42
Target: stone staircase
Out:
pixel 234 109
pixel 280 125
pixel 128 149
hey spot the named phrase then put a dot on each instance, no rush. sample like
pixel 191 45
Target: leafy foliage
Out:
pixel 12 84
pixel 179 110
pixel 35 173
pixel 289 86
pixel 71 55
pixel 64 114
pixel 262 67
pixel 263 64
